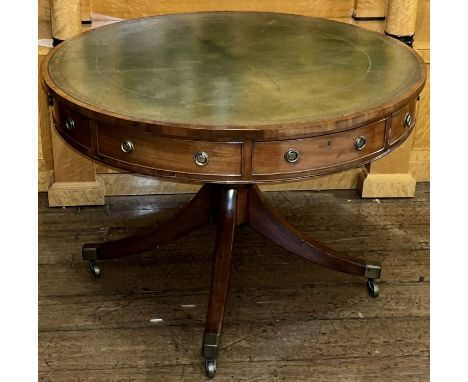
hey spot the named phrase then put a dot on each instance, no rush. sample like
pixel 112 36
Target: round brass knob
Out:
pixel 360 142
pixel 70 123
pixel 408 120
pixel 291 156
pixel 200 158
pixel 127 146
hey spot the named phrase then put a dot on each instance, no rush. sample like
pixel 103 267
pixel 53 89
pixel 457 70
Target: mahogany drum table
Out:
pixel 231 100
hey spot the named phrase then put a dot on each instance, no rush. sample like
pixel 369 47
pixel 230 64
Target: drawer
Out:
pixel 169 154
pixel 74 126
pixel 317 152
pixel 402 120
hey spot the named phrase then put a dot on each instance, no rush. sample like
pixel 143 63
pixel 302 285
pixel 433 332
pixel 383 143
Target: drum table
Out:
pixel 231 100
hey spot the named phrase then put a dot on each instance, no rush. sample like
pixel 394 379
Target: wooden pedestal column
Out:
pixel 390 177
pixel 74 175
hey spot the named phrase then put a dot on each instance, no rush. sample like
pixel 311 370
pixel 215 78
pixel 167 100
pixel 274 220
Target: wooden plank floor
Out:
pixel 286 320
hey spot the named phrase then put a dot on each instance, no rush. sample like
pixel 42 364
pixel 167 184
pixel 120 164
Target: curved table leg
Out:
pixel 192 216
pixel 226 225
pixel 233 205
pixel 264 220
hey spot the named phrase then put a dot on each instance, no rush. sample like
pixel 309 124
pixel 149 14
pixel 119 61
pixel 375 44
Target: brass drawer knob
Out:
pixel 360 142
pixel 291 156
pixel 200 158
pixel 70 123
pixel 127 146
pixel 408 120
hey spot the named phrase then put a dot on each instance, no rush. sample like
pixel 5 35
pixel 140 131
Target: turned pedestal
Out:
pixel 227 207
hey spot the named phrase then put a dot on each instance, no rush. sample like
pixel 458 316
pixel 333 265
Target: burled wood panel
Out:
pixel 130 184
pixel 141 8
pixel 423 22
pixel 85 6
pixel 103 169
pixel 419 166
pixel 69 165
pixel 422 131
pixel 43 10
pixel 75 193
pixel 397 161
pixel 420 156
pixel 388 186
pixel 369 8
pixel 375 25
pixel 45 144
pixel 45 156
pixel 44 32
pixel 343 180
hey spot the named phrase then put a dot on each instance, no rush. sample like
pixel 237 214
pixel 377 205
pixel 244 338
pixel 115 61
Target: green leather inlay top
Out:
pixel 233 69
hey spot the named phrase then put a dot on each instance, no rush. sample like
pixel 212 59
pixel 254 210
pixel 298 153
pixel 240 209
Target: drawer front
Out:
pixel 402 121
pixel 318 152
pixel 169 154
pixel 74 126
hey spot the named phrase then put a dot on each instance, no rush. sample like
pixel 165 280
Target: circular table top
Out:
pixel 236 71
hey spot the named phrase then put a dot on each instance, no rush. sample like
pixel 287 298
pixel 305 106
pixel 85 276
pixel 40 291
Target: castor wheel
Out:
pixel 95 269
pixel 210 367
pixel 372 288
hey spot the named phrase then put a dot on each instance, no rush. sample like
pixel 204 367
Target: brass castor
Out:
pixel 95 269
pixel 89 254
pixel 210 367
pixel 372 288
